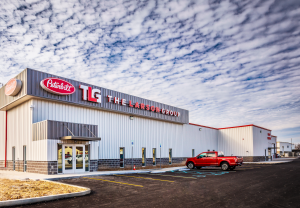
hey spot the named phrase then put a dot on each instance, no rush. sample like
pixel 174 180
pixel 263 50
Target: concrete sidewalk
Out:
pixel 274 161
pixel 35 176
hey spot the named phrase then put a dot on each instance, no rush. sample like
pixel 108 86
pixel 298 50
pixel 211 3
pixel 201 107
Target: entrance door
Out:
pixel 74 158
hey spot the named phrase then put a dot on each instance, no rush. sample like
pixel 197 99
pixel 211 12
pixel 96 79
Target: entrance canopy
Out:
pixel 80 138
pixel 65 131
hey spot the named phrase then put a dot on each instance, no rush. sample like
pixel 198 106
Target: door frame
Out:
pixel 73 170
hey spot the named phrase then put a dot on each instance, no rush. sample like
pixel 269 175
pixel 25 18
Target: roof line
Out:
pixel 203 126
pixel 230 127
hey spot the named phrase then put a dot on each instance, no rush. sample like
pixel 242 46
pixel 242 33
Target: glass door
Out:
pixel 80 159
pixel 73 159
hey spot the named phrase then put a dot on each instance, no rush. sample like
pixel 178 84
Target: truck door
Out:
pixel 200 160
pixel 211 159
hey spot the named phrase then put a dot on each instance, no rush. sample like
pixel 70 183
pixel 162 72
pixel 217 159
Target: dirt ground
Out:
pixel 275 185
pixel 16 189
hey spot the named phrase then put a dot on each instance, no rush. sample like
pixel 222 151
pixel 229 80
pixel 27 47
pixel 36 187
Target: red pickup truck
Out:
pixel 216 159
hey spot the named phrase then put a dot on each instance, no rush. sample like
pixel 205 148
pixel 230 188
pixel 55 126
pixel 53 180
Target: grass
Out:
pixel 16 189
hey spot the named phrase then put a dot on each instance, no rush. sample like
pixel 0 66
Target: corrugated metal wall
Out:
pixel 201 141
pixel 260 141
pixel 236 141
pixel 2 134
pixel 117 130
pixel 20 133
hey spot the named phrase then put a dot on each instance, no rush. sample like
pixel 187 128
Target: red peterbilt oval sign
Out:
pixel 13 87
pixel 57 86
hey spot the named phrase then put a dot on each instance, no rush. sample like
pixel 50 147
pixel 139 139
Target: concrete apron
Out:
pixel 34 176
pixel 18 202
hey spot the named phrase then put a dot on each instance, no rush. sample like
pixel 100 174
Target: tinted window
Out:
pixel 211 155
pixel 202 155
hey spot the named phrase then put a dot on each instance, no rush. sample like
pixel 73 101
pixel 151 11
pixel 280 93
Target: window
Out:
pixel 211 155
pixel 143 156
pixel 87 157
pixel 122 157
pixel 288 146
pixel 154 156
pixel 14 157
pixel 193 152
pixel 59 158
pixel 202 155
pixel 24 159
pixel 170 156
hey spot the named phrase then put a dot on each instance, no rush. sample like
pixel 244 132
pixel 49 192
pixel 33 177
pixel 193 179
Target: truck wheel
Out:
pixel 224 166
pixel 198 167
pixel 191 165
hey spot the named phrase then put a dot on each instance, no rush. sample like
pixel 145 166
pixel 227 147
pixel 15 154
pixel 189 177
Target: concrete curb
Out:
pixel 18 202
pixel 267 163
pixel 99 174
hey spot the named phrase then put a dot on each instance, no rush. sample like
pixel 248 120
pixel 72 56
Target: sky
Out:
pixel 229 63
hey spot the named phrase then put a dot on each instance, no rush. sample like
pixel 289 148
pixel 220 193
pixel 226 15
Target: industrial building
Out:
pixel 55 125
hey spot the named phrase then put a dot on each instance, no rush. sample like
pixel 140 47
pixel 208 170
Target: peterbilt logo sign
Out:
pixel 13 87
pixel 57 86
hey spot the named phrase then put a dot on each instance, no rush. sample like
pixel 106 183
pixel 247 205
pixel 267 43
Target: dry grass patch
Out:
pixel 16 189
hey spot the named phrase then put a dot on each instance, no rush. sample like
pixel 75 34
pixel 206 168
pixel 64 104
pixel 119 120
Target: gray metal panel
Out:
pixel 6 100
pixel 57 129
pixel 34 89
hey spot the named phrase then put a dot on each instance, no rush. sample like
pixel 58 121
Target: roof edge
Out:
pixel 203 126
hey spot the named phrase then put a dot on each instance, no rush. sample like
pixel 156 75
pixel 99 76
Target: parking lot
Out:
pixel 276 185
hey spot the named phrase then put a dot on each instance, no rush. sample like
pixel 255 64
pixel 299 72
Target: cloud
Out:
pixel 228 62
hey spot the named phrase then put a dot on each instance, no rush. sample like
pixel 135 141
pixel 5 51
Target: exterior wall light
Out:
pixel 200 129
pixel 131 117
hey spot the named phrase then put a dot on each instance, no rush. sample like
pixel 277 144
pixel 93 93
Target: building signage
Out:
pixel 94 95
pixel 13 87
pixel 269 136
pixel 89 94
pixel 57 86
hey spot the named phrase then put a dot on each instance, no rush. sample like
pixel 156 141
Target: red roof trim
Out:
pixel 237 126
pixel 273 136
pixel 230 127
pixel 203 126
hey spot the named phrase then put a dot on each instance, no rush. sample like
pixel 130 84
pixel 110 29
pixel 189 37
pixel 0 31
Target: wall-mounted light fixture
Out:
pixel 200 129
pixel 131 117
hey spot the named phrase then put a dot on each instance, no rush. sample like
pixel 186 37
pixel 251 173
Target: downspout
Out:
pixel 6 140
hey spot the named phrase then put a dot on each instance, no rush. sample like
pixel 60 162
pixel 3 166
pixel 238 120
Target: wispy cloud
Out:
pixel 228 62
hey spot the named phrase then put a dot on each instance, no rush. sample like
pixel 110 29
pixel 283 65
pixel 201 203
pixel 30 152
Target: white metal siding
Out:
pixel 201 141
pixel 260 141
pixel 117 130
pixel 236 141
pixel 20 133
pixel 2 134
pixel 285 145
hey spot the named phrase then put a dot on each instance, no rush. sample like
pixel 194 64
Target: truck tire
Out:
pixel 191 165
pixel 224 166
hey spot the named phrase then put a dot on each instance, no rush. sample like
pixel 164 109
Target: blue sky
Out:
pixel 228 62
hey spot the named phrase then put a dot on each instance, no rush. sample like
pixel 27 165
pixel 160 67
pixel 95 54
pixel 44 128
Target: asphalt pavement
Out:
pixel 252 185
